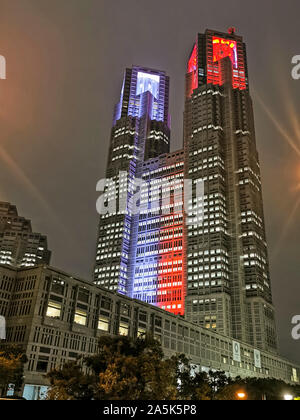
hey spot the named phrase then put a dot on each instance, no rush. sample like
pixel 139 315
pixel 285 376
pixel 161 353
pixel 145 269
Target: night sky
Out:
pixel 65 63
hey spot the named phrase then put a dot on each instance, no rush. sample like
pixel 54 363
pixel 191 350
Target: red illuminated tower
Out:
pixel 228 279
pixel 206 59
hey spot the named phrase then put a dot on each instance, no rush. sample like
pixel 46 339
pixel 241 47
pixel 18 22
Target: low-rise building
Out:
pixel 57 317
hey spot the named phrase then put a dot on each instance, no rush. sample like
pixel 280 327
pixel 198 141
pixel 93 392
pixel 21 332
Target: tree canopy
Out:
pixel 12 360
pixel 136 369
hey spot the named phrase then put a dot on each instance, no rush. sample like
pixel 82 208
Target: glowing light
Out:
pixel 293 144
pixel 286 227
pixel 281 130
pixel 170 274
pixel 295 147
pixel 192 68
pixel 225 48
pixel 165 285
pixel 147 82
pixel 241 395
pixel 288 397
pixel 297 187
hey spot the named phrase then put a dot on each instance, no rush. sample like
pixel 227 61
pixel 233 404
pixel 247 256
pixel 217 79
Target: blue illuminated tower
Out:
pixel 140 131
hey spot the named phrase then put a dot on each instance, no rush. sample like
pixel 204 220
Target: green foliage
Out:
pixel 270 389
pixel 192 385
pixel 70 383
pixel 123 369
pixel 12 360
pixel 127 369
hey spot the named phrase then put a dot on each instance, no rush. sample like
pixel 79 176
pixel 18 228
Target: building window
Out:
pixel 141 332
pixel 42 366
pixel 103 323
pixel 58 287
pixel 53 309
pixel 80 317
pixel 123 329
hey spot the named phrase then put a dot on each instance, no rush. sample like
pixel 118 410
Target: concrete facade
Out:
pixel 19 245
pixel 57 317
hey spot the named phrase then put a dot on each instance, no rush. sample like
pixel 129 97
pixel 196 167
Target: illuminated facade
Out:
pixel 228 279
pixel 19 245
pixel 159 273
pixel 140 133
pixel 215 273
pixel 207 59
pixel 141 254
pixel 65 316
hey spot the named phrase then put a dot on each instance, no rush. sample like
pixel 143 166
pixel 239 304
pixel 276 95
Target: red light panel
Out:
pixel 225 48
pixel 222 48
pixel 171 285
pixel 193 69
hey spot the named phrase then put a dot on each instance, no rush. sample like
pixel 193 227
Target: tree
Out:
pixel 70 383
pixel 229 392
pixel 12 360
pixel 256 389
pixel 192 385
pixel 270 389
pixel 133 369
pixel 136 369
pixel 123 369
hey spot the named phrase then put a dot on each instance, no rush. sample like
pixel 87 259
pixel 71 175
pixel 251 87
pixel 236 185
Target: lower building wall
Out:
pixel 64 318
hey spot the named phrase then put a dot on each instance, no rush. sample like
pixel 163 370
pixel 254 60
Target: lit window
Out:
pixel 123 328
pixel 80 317
pixel 53 310
pixel 103 323
pixel 141 332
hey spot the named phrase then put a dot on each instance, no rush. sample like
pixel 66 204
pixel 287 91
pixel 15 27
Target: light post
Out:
pixel 241 395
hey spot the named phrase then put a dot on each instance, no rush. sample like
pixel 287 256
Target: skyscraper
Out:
pixel 228 276
pixel 140 132
pixel 19 245
pixel 213 267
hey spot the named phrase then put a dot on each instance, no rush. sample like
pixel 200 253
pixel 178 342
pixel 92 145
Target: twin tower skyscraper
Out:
pixel 202 256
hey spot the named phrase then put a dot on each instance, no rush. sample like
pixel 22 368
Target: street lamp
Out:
pixel 241 395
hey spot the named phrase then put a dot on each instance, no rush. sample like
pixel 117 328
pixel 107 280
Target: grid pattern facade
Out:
pixel 140 132
pixel 19 246
pixel 229 286
pixel 216 272
pixel 159 275
pixel 57 317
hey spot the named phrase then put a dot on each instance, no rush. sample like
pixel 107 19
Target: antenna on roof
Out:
pixel 231 30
